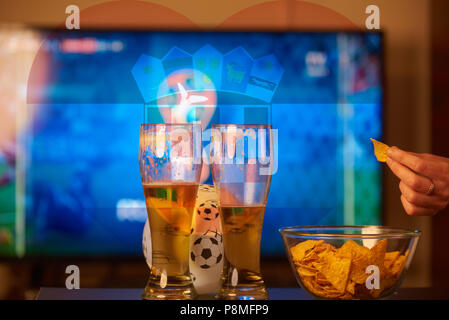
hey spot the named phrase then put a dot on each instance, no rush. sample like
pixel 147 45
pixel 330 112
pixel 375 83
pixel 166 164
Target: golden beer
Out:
pixel 170 207
pixel 242 161
pixel 242 231
pixel 170 162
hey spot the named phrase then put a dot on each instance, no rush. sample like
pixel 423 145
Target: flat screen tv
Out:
pixel 89 91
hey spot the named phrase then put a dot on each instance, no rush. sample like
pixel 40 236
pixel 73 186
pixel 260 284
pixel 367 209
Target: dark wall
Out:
pixel 440 132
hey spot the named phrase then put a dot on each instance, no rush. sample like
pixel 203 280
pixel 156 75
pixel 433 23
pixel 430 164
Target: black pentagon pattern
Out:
pixel 206 253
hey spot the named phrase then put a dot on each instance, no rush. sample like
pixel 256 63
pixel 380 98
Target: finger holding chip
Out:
pixel 432 167
pixel 424 178
pixel 422 164
pixel 415 181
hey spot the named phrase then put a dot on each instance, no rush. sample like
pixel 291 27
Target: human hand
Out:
pixel 424 181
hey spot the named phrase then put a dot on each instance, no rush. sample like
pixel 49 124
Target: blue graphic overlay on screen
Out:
pixel 322 92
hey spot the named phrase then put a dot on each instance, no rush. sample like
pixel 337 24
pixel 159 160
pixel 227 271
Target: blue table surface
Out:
pixel 274 294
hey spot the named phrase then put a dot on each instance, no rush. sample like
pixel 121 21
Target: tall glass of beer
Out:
pixel 170 166
pixel 242 162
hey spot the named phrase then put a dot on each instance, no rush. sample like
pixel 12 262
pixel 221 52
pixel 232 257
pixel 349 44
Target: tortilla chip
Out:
pixel 385 284
pixel 390 257
pixel 398 266
pixel 336 271
pixel 377 255
pixel 380 150
pixel 322 280
pixel 350 287
pixel 323 247
pixel 361 292
pixel 306 271
pixel 332 273
pixel 345 251
pixel 310 257
pixel 360 260
pixel 299 251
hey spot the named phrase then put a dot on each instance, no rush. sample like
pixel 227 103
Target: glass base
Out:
pixel 153 291
pixel 243 293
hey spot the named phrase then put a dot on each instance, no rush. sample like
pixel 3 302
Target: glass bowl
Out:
pixel 349 262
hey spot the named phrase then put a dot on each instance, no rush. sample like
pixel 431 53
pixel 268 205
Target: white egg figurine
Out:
pixel 206 242
pixel 146 243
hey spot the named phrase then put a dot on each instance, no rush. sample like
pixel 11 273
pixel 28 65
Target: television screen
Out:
pixel 89 91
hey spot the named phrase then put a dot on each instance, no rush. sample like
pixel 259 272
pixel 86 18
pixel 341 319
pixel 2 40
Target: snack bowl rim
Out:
pixel 383 232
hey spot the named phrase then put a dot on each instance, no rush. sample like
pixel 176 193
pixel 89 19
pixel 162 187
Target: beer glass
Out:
pixel 242 162
pixel 170 166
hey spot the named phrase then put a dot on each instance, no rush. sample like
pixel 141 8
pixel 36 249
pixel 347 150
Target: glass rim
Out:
pixel 383 232
pixel 241 125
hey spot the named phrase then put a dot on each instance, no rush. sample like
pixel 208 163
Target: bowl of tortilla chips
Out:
pixel 349 262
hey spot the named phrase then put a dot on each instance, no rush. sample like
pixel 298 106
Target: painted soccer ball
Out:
pixel 208 210
pixel 207 252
